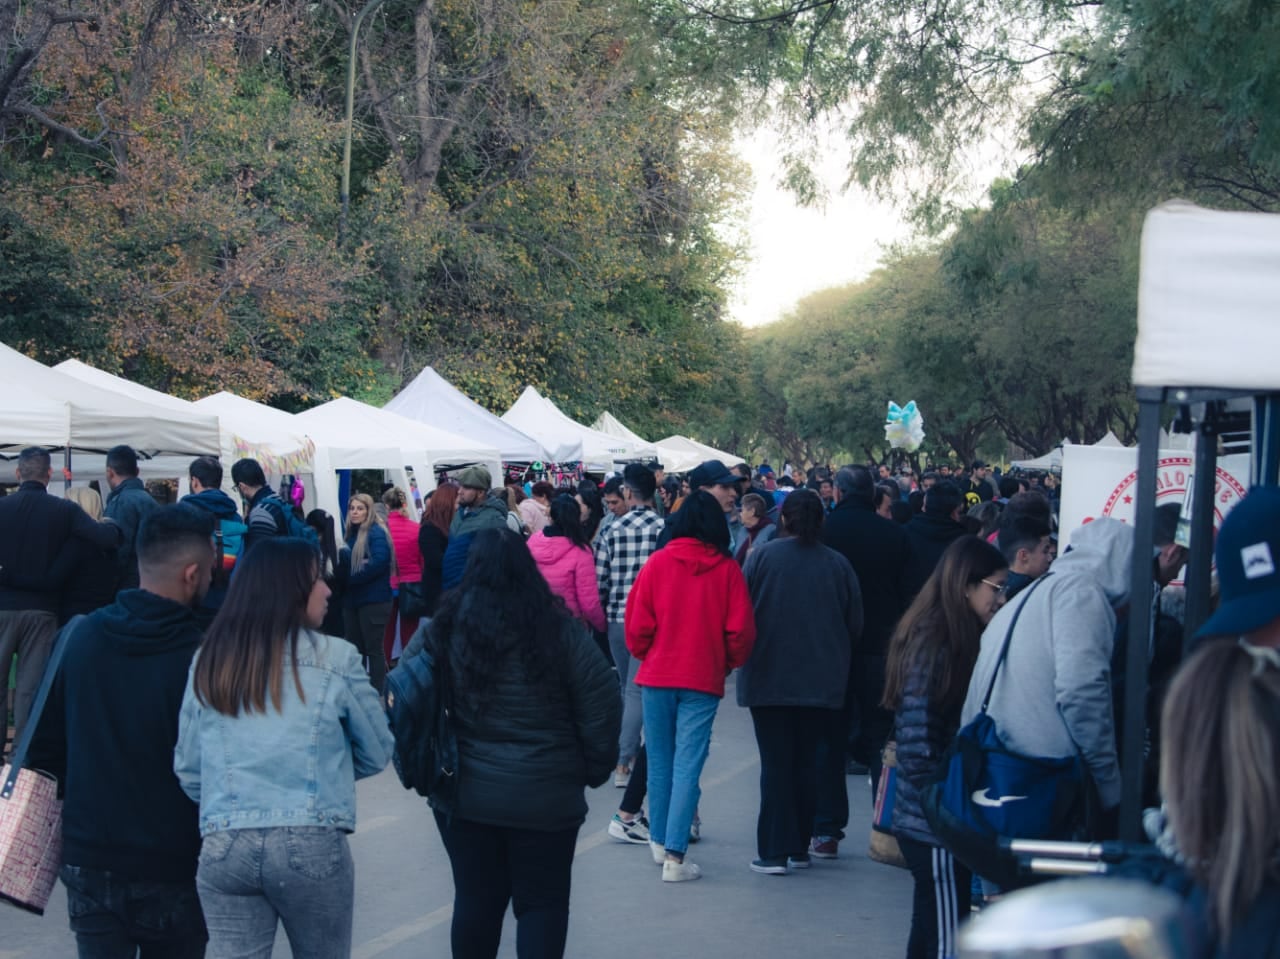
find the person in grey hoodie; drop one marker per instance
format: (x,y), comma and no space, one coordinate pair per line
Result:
(1061,654)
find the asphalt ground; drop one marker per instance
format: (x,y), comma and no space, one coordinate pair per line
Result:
(620,909)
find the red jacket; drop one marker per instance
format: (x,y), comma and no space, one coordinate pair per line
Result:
(689,618)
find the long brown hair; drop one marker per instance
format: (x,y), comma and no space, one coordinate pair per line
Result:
(241,661)
(440,508)
(939,631)
(1220,772)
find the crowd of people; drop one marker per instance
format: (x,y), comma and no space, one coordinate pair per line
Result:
(589,633)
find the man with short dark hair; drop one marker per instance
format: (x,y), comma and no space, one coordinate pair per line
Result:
(614,503)
(980,483)
(266,510)
(130,836)
(126,506)
(38,556)
(229,531)
(1025,541)
(620,553)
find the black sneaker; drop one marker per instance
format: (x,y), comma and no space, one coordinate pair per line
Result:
(770,867)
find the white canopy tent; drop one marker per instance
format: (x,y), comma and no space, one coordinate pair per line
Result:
(606,422)
(1208,290)
(40,406)
(241,432)
(433,400)
(679,454)
(344,429)
(568,440)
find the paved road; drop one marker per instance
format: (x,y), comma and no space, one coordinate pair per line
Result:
(850,907)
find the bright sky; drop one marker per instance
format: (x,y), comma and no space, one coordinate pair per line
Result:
(796,251)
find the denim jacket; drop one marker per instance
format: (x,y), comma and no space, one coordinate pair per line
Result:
(295,767)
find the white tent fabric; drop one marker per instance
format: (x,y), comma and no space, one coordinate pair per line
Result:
(1208,283)
(1051,460)
(43,407)
(241,433)
(679,454)
(324,485)
(568,440)
(1110,440)
(355,435)
(433,400)
(606,422)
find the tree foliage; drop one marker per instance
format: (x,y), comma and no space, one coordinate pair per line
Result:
(1016,330)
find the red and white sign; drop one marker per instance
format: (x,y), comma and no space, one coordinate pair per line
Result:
(1104,482)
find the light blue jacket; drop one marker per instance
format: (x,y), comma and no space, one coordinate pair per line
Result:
(296,767)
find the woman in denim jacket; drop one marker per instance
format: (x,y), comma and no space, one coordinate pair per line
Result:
(277,724)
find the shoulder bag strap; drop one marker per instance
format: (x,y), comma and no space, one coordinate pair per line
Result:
(19,757)
(1008,636)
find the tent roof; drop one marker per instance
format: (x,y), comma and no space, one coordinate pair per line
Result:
(45,407)
(606,422)
(1209,281)
(244,432)
(433,400)
(345,422)
(679,454)
(567,439)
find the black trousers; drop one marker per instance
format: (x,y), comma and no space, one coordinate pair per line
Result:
(788,738)
(940,901)
(494,865)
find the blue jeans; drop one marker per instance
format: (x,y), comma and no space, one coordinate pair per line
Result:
(677,734)
(118,918)
(302,876)
(632,708)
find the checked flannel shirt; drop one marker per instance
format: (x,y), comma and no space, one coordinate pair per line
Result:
(620,552)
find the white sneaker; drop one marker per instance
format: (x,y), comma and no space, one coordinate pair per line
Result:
(673,871)
(659,852)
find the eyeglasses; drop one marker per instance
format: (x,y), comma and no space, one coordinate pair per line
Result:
(1000,588)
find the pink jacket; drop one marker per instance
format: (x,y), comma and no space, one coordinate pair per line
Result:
(404,540)
(570,571)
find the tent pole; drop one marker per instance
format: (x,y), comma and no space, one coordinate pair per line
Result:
(1135,708)
(66,469)
(1200,554)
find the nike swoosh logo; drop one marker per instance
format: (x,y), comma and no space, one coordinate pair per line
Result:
(981,798)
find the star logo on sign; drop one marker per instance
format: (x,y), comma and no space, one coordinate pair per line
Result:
(1128,499)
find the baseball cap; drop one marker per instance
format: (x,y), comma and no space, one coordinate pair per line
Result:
(474,477)
(1247,553)
(711,473)
(979,465)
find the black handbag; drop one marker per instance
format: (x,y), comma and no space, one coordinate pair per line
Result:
(412,600)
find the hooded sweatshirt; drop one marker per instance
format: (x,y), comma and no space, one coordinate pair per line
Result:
(108,733)
(1053,694)
(570,571)
(689,618)
(232,530)
(491,513)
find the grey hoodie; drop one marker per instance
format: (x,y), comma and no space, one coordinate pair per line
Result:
(1053,694)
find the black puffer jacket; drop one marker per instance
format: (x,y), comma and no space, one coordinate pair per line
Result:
(525,756)
(923,733)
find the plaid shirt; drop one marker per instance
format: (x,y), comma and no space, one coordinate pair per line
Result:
(620,552)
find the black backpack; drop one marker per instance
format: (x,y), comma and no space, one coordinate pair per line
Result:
(419,708)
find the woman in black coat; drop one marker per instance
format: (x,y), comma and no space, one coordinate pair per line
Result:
(931,658)
(536,713)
